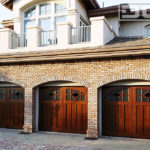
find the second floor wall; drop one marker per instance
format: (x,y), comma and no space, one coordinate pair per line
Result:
(47,14)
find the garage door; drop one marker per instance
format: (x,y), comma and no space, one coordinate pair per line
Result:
(11,107)
(63,109)
(126,111)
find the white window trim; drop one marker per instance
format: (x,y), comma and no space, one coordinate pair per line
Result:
(52,15)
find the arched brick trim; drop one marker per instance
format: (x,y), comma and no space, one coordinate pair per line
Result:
(14,81)
(61,78)
(120,77)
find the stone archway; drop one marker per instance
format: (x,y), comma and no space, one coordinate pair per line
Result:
(77,103)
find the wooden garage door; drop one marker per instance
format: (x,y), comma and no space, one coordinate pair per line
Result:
(11,107)
(63,109)
(126,111)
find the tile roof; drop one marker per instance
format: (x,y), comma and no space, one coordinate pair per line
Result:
(121,42)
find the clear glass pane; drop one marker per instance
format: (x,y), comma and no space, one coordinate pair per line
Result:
(125,91)
(125,98)
(138,98)
(68,97)
(45,24)
(60,9)
(148,32)
(144,99)
(83,98)
(45,9)
(60,19)
(138,91)
(28,23)
(30,13)
(68,92)
(144,91)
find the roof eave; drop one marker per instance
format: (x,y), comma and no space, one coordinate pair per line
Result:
(7,3)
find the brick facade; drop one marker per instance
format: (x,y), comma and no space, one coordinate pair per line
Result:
(92,73)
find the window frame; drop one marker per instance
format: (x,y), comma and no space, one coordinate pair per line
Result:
(52,15)
(147,27)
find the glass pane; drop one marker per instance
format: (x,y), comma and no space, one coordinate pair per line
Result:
(28,23)
(68,92)
(144,91)
(30,13)
(60,19)
(83,98)
(138,91)
(45,9)
(125,98)
(60,9)
(144,99)
(148,32)
(68,97)
(45,24)
(73,98)
(138,98)
(125,91)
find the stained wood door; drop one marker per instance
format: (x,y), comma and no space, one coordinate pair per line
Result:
(123,112)
(63,109)
(11,107)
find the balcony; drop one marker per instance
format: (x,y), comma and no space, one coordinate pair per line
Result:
(65,37)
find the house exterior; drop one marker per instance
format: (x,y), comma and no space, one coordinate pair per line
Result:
(71,66)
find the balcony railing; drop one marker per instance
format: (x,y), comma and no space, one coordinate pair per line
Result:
(66,37)
(80,34)
(18,40)
(48,38)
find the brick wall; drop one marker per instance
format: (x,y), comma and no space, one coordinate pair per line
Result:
(90,73)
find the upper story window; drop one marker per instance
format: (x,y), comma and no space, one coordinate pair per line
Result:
(148,31)
(45,9)
(60,9)
(30,13)
(45,15)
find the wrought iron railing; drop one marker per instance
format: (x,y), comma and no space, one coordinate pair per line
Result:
(80,34)
(48,38)
(18,41)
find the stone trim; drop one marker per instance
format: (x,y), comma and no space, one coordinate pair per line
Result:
(61,78)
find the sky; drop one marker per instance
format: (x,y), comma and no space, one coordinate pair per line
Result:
(6,14)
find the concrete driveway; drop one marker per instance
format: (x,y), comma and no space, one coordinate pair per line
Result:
(13,140)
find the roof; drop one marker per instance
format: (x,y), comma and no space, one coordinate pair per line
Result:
(118,47)
(104,11)
(90,4)
(121,42)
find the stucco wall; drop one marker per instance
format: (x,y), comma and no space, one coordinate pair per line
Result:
(114,22)
(90,73)
(19,7)
(133,28)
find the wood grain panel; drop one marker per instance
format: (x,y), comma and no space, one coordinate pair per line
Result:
(68,114)
(12,107)
(126,118)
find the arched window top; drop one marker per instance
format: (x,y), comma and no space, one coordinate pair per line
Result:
(147,30)
(30,12)
(48,8)
(59,8)
(45,9)
(46,15)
